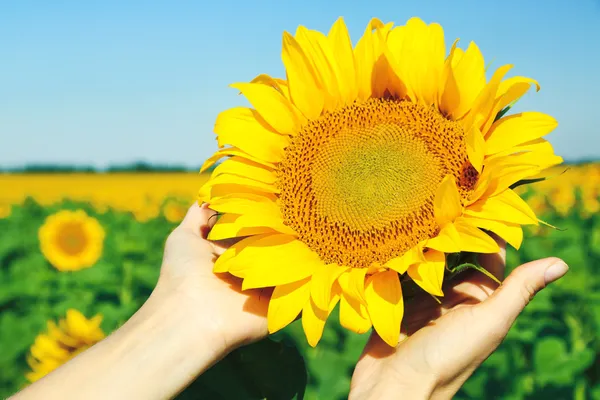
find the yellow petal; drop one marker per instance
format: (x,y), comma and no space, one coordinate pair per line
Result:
(430,274)
(447,240)
(305,89)
(507,206)
(272,106)
(223,261)
(245,129)
(57,334)
(323,281)
(484,102)
(507,170)
(473,239)
(45,347)
(244,203)
(352,283)
(344,54)
(516,129)
(263,218)
(353,315)
(385,305)
(507,96)
(419,55)
(412,256)
(313,319)
(273,260)
(231,151)
(540,146)
(243,167)
(512,233)
(282,87)
(367,51)
(465,81)
(235,180)
(475,148)
(318,50)
(506,84)
(447,206)
(286,303)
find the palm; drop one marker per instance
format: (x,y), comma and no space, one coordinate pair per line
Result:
(188,271)
(431,334)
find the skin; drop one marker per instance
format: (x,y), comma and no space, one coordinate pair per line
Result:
(194,318)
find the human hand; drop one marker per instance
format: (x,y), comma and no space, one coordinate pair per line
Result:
(442,344)
(216,301)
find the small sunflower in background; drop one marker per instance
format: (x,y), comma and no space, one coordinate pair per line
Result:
(368,163)
(174,210)
(61,342)
(71,240)
(5,210)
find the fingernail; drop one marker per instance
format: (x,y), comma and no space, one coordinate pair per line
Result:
(555,271)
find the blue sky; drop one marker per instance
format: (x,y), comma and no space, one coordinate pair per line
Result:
(103,82)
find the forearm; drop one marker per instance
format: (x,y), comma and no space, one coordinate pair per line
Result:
(153,356)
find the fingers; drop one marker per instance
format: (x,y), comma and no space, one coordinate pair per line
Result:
(198,219)
(518,289)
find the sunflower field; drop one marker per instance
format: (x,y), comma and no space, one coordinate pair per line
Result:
(79,255)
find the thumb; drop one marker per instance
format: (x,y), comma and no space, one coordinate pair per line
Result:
(522,284)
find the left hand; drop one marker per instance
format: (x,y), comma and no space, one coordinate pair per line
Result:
(234,318)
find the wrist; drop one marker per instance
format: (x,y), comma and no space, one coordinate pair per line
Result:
(184,321)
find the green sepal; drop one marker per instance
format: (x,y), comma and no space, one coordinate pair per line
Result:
(460,262)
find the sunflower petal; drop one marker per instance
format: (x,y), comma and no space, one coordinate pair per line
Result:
(512,233)
(418,53)
(232,226)
(223,261)
(322,284)
(274,260)
(231,151)
(485,100)
(447,240)
(305,88)
(286,303)
(236,180)
(313,318)
(353,315)
(366,54)
(465,81)
(241,166)
(385,305)
(506,206)
(475,148)
(507,97)
(344,54)
(474,239)
(430,274)
(276,110)
(402,263)
(317,48)
(516,129)
(447,206)
(353,284)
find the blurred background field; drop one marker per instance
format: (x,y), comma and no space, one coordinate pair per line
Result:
(552,352)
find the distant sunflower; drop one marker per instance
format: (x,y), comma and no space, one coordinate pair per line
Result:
(368,163)
(174,210)
(62,342)
(71,240)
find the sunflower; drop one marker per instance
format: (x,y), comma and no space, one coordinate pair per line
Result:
(62,342)
(71,240)
(174,210)
(368,163)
